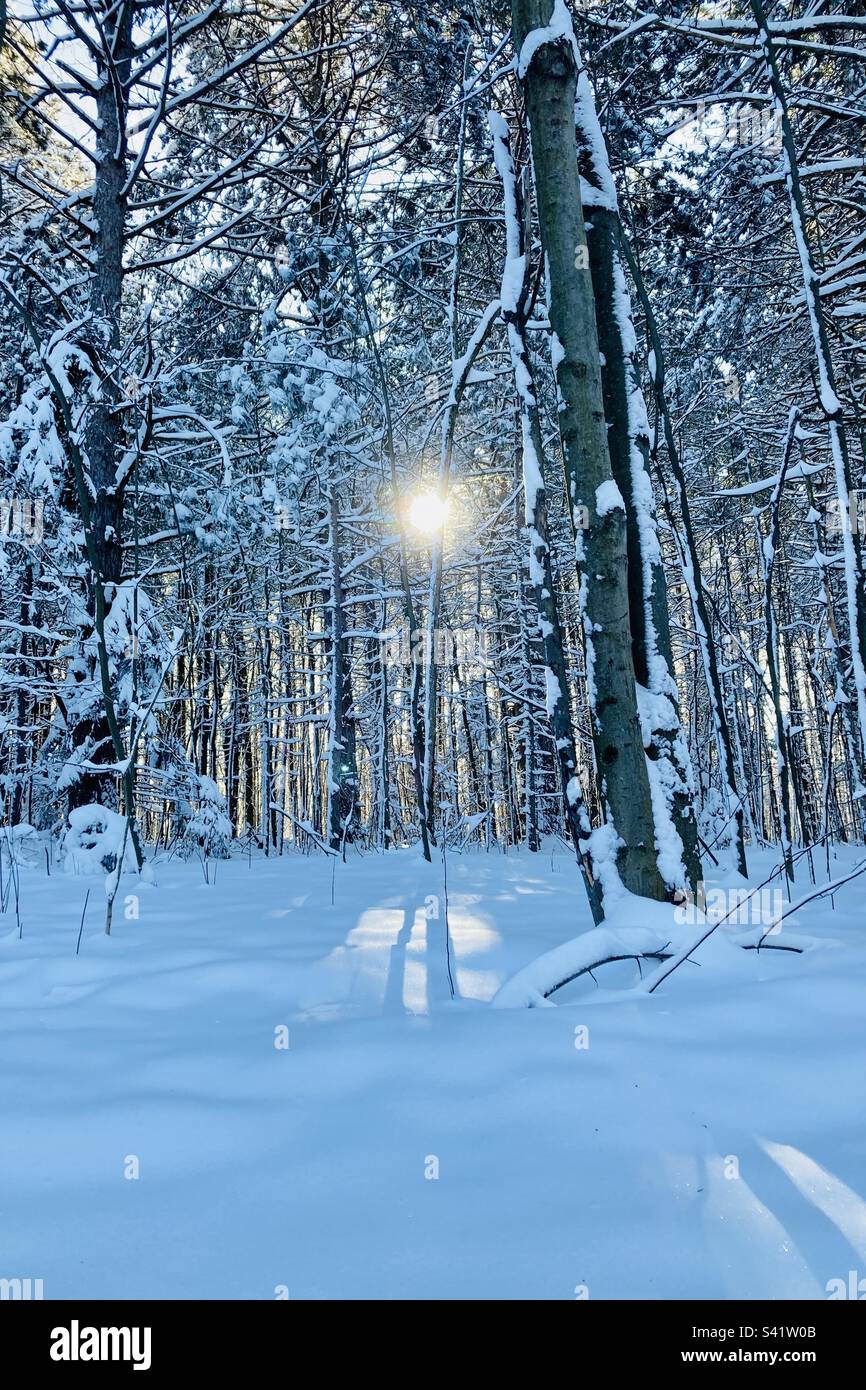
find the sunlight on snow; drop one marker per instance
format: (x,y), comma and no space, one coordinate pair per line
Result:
(734,1218)
(376,926)
(839,1203)
(415,952)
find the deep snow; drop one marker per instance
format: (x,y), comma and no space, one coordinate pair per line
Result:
(608,1168)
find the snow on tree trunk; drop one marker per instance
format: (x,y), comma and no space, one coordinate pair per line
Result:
(852,551)
(548,64)
(514,300)
(342,765)
(628,438)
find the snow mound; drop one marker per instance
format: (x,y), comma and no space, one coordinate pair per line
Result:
(20,844)
(95,840)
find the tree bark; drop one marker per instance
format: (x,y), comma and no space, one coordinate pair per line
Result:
(691,567)
(831,405)
(342,767)
(91,734)
(547,67)
(514,308)
(628,443)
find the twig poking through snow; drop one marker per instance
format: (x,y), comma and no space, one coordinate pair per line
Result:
(81,927)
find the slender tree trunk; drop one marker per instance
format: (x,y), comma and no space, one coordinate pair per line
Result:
(23,751)
(855,576)
(783,743)
(342,764)
(690,564)
(416,716)
(515,282)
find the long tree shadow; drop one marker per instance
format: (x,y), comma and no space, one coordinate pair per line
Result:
(395,983)
(418,963)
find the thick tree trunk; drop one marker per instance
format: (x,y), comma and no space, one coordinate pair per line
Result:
(95,725)
(91,734)
(628,443)
(548,67)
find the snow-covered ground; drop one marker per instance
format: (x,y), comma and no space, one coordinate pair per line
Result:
(705,1141)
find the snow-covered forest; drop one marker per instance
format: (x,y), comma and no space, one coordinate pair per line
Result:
(433,577)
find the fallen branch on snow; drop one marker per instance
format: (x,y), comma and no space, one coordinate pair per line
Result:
(532,986)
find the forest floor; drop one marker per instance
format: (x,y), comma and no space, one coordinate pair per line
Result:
(708,1142)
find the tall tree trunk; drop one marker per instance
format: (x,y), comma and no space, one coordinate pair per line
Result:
(547,66)
(514,308)
(342,766)
(23,749)
(91,732)
(690,564)
(628,442)
(416,715)
(768,547)
(855,576)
